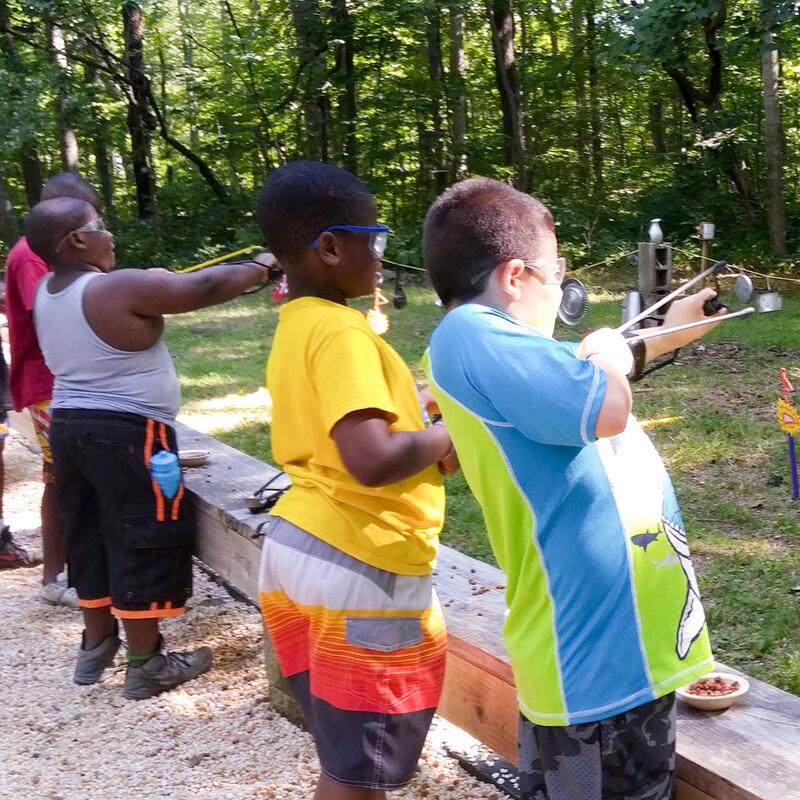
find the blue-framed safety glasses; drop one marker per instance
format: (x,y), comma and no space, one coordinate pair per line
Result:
(378,235)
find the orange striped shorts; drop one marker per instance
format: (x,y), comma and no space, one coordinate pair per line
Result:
(363,651)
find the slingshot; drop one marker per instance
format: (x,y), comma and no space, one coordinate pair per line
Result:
(716,267)
(743,289)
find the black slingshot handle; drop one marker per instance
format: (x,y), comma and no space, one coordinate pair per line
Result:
(712,305)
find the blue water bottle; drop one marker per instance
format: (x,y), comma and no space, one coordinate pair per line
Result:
(166,471)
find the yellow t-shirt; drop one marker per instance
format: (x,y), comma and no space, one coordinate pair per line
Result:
(326,363)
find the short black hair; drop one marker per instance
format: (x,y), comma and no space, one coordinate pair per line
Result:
(303,197)
(474,226)
(49,221)
(70,184)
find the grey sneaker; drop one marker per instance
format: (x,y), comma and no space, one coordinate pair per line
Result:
(91,663)
(59,594)
(163,671)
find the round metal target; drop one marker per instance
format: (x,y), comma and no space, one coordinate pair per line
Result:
(743,288)
(574,302)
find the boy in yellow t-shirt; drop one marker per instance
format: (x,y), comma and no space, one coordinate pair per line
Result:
(345,582)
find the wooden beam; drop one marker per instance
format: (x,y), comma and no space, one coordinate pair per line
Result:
(481,703)
(687,792)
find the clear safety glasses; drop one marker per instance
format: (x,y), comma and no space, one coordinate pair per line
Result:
(90,227)
(378,235)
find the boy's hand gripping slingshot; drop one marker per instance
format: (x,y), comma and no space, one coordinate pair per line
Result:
(765,303)
(262,257)
(716,267)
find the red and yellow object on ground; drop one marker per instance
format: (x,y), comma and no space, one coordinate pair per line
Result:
(789,420)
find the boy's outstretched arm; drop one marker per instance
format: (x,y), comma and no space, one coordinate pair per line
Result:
(377,456)
(687,309)
(153,293)
(610,351)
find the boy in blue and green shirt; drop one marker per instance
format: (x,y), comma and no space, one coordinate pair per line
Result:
(604,615)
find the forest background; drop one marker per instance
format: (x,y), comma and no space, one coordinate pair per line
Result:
(612,113)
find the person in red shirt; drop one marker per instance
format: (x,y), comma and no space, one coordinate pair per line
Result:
(31,383)
(11,554)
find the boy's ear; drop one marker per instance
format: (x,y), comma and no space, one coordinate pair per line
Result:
(510,275)
(328,247)
(76,240)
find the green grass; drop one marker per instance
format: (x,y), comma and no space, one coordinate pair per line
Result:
(722,453)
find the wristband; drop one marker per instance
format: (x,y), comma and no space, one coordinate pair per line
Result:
(639,351)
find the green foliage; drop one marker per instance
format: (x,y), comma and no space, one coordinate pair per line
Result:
(232,86)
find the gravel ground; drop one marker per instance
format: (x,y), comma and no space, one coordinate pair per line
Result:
(214,739)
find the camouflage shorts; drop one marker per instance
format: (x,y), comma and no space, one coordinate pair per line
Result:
(627,757)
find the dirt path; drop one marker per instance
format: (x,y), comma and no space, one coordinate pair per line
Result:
(215,739)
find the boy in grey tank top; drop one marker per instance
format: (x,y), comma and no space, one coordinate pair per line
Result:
(128,534)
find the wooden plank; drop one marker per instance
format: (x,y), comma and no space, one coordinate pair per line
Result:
(227,552)
(482,704)
(750,752)
(472,594)
(754,747)
(686,791)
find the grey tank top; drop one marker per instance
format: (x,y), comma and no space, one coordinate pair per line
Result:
(90,374)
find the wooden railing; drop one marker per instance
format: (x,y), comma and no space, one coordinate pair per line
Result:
(749,752)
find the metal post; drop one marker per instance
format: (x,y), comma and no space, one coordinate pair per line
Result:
(655,277)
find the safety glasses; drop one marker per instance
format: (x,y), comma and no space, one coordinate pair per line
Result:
(378,235)
(551,271)
(98,226)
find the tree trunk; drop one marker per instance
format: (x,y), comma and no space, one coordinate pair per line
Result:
(227,45)
(140,119)
(263,133)
(594,98)
(550,18)
(101,136)
(29,156)
(728,157)
(773,134)
(9,221)
(67,140)
(102,166)
(345,68)
(581,113)
(31,171)
(187,45)
(163,101)
(311,47)
(656,117)
(524,53)
(457,91)
(434,164)
(501,19)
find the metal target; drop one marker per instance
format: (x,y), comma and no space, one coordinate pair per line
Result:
(743,288)
(574,302)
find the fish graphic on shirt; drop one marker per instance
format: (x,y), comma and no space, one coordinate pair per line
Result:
(644,539)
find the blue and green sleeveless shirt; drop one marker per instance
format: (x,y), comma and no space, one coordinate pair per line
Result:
(604,611)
